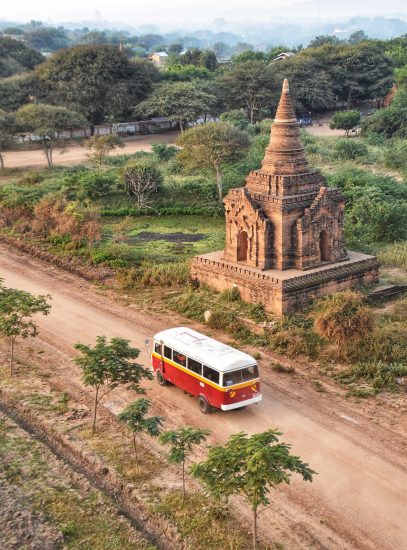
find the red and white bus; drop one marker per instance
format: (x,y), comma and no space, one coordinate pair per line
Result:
(219,375)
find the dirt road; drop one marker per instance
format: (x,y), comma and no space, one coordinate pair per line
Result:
(358,498)
(76,155)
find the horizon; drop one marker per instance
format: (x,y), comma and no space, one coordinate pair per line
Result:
(199,14)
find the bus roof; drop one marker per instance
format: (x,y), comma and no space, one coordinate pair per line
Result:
(204,349)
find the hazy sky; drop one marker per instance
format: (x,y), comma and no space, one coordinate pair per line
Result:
(181,12)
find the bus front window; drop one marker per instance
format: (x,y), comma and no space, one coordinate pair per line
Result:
(242,375)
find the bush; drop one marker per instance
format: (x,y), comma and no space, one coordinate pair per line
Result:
(345,120)
(95,184)
(141,179)
(395,155)
(164,152)
(295,342)
(154,275)
(381,376)
(394,255)
(350,149)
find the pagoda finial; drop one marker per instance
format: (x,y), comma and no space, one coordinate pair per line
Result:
(285,153)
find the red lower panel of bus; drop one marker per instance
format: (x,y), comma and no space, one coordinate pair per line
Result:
(195,386)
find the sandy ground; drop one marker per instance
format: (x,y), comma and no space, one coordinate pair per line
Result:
(77,155)
(358,498)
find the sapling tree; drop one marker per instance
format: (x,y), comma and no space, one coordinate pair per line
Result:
(17,308)
(135,416)
(141,178)
(181,442)
(249,466)
(100,146)
(211,146)
(108,365)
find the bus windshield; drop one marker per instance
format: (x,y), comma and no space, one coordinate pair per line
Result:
(241,375)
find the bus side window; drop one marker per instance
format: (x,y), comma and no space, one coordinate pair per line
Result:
(167,352)
(195,366)
(211,374)
(157,347)
(180,359)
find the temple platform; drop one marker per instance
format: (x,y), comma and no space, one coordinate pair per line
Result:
(285,291)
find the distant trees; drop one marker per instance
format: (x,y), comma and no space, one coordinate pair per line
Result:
(17,90)
(211,146)
(390,122)
(249,466)
(181,102)
(248,85)
(108,365)
(44,121)
(141,178)
(97,81)
(16,57)
(345,120)
(17,308)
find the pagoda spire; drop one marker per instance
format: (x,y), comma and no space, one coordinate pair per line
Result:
(285,153)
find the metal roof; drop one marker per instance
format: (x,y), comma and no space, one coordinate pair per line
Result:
(206,350)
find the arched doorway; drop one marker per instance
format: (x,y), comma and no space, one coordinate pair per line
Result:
(242,243)
(324,249)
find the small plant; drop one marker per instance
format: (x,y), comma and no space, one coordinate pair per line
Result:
(277,367)
(362,393)
(318,386)
(17,308)
(62,404)
(181,443)
(134,416)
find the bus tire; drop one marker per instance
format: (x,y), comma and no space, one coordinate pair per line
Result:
(160,378)
(203,405)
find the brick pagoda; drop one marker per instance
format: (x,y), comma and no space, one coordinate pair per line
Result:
(284,230)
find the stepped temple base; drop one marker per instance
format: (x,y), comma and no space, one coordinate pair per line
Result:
(286,291)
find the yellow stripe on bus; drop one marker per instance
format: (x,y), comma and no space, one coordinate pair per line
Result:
(201,378)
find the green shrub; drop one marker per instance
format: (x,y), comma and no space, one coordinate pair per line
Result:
(295,342)
(381,376)
(163,151)
(95,184)
(230,295)
(154,275)
(350,149)
(362,393)
(395,154)
(31,178)
(394,254)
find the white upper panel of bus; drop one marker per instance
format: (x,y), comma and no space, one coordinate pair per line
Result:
(206,350)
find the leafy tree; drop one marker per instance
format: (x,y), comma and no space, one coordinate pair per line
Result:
(108,365)
(16,310)
(175,48)
(345,120)
(211,146)
(141,178)
(250,55)
(95,184)
(97,81)
(16,57)
(350,149)
(134,415)
(186,73)
(357,37)
(390,122)
(100,147)
(16,91)
(250,466)
(323,40)
(7,133)
(236,117)
(47,39)
(199,58)
(182,102)
(247,85)
(343,318)
(45,121)
(181,442)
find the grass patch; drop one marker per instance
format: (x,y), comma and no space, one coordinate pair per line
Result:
(394,255)
(205,523)
(380,376)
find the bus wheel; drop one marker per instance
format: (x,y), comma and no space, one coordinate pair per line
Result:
(203,404)
(160,378)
